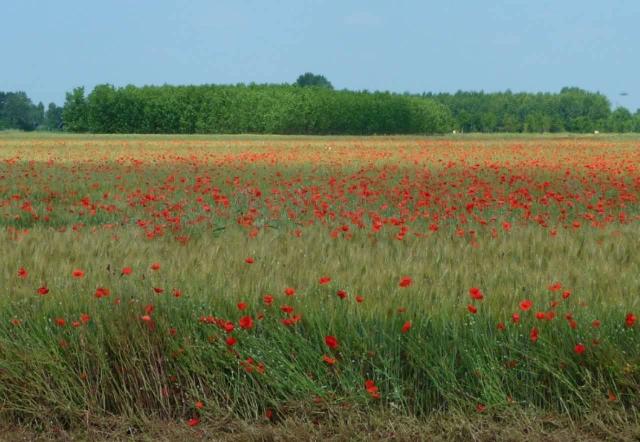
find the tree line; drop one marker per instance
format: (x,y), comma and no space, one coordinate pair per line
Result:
(311,106)
(17,111)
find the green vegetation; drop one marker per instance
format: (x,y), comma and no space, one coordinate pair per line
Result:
(163,279)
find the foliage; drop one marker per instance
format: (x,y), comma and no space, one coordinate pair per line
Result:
(311,80)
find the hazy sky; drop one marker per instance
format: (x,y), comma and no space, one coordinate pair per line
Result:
(49,47)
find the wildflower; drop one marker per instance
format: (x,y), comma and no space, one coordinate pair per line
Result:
(405,281)
(406,327)
(331,342)
(476,294)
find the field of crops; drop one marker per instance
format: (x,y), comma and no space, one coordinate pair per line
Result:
(259,278)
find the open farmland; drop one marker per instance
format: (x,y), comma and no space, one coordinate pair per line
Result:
(259,278)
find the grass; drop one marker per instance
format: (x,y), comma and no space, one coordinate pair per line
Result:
(510,216)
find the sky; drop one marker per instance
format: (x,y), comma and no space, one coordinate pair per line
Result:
(48,47)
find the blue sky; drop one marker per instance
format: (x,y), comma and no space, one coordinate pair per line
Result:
(402,45)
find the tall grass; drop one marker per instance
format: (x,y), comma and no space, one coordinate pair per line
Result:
(143,355)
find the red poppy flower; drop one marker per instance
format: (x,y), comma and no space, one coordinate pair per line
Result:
(480,408)
(515,318)
(405,281)
(579,349)
(84,318)
(630,319)
(555,287)
(324,280)
(596,323)
(77,273)
(126,271)
(289,291)
(501,326)
(267,299)
(566,294)
(540,315)
(341,294)
(472,309)
(102,292)
(194,421)
(60,322)
(406,327)
(476,294)
(328,360)
(526,305)
(242,306)
(372,389)
(176,293)
(249,260)
(533,335)
(199,405)
(158,290)
(43,290)
(331,342)
(286,309)
(246,322)
(231,341)
(359,299)
(22,273)
(155,266)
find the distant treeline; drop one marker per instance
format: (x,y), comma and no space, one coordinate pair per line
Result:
(572,110)
(279,109)
(18,112)
(296,109)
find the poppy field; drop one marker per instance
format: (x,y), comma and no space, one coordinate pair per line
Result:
(188,278)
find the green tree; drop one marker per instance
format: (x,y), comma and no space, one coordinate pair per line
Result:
(308,79)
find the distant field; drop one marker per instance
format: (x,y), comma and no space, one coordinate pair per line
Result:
(182,279)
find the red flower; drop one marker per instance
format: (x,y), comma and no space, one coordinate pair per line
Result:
(406,327)
(533,335)
(328,360)
(43,290)
(242,306)
(84,318)
(158,290)
(371,388)
(630,319)
(555,286)
(193,421)
(126,271)
(286,309)
(540,315)
(231,341)
(359,299)
(526,305)
(102,292)
(472,309)
(324,280)
(177,293)
(501,326)
(341,294)
(515,318)
(289,291)
(331,342)
(566,294)
(249,260)
(579,349)
(476,294)
(199,405)
(267,299)
(480,408)
(246,322)
(405,281)
(60,322)
(596,323)
(155,266)
(77,273)
(22,273)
